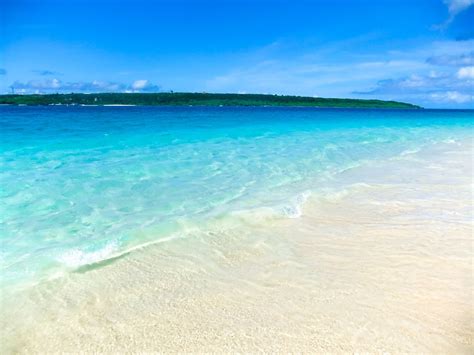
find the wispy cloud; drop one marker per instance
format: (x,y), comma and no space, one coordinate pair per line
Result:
(46,72)
(420,84)
(315,72)
(303,76)
(449,97)
(447,78)
(56,85)
(454,8)
(452,60)
(422,74)
(434,88)
(457,6)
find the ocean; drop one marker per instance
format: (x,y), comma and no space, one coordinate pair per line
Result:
(284,229)
(84,184)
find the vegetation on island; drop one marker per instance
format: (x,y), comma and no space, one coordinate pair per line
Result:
(196,99)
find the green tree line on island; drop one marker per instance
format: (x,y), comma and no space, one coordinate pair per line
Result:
(196,99)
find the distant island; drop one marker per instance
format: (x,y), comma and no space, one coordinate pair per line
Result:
(196,99)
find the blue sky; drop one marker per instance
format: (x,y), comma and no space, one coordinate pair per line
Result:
(419,51)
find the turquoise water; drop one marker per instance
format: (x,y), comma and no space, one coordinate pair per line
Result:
(83,184)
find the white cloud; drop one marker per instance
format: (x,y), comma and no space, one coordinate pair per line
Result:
(139,84)
(56,85)
(434,88)
(446,80)
(418,83)
(451,96)
(143,85)
(456,6)
(466,73)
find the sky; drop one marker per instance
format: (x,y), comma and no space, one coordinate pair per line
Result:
(417,51)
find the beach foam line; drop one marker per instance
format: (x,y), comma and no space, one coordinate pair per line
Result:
(295,208)
(77,258)
(80,259)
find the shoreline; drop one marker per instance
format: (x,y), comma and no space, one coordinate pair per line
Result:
(336,279)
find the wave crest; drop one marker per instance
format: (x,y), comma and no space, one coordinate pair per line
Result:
(77,257)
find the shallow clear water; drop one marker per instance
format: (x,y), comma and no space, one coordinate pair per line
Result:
(84,184)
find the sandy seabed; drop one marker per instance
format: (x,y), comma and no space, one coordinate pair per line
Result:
(385,265)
